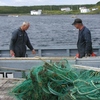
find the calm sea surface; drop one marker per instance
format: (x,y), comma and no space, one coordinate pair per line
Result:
(49,30)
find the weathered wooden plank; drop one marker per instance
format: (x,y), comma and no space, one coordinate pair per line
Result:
(12,69)
(5,87)
(87,68)
(38,58)
(2,82)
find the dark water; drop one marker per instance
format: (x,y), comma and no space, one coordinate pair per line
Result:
(49,30)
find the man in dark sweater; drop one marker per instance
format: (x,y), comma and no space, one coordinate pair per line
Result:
(19,41)
(84,43)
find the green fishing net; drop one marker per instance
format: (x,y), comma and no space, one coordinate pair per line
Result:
(59,81)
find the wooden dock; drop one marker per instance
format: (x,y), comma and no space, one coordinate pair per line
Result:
(5,87)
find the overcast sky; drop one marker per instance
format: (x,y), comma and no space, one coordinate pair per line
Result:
(45,2)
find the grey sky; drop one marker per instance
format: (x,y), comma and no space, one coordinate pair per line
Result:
(45,2)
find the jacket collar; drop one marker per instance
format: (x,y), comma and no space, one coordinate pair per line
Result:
(20,29)
(82,29)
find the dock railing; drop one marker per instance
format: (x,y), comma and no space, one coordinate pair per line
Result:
(51,51)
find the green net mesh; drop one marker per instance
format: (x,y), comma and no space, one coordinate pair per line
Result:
(59,81)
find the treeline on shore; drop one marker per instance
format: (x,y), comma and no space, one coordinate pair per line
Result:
(49,9)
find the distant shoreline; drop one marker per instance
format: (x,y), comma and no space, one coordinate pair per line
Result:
(72,15)
(48,14)
(48,9)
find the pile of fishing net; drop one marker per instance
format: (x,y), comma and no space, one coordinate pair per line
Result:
(59,81)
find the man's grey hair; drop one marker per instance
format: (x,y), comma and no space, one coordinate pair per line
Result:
(25,24)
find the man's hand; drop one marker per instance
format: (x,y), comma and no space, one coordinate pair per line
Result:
(12,53)
(33,52)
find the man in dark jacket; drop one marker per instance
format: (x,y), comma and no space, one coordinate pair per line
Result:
(19,41)
(84,43)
